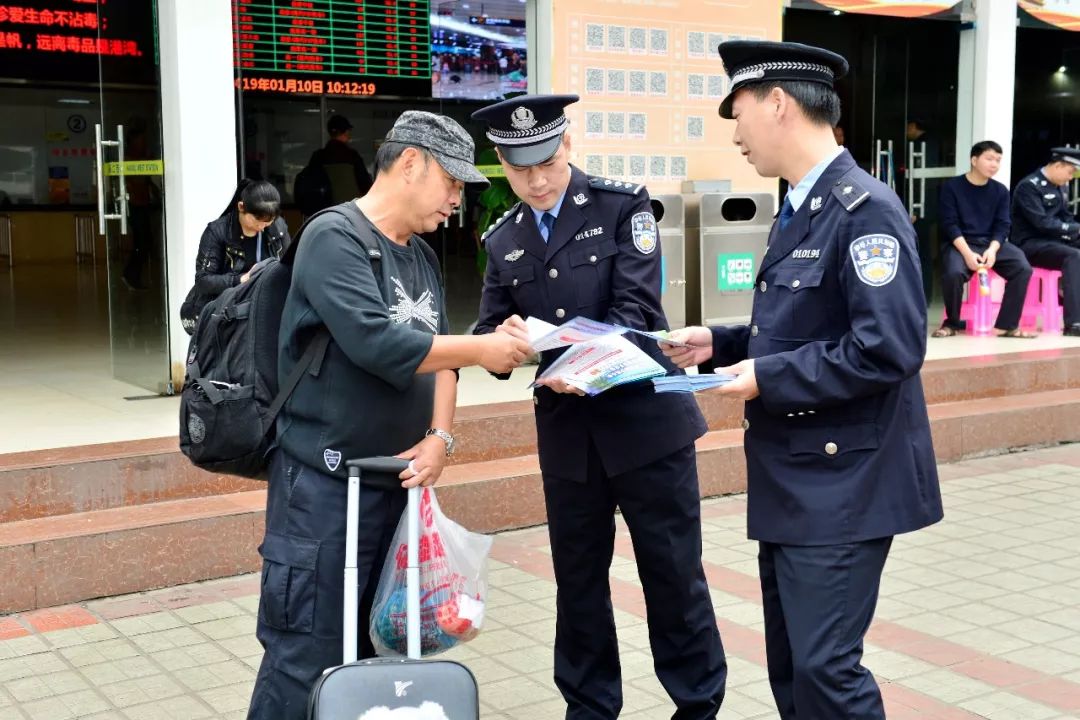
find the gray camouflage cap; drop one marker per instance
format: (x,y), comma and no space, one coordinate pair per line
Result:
(444,138)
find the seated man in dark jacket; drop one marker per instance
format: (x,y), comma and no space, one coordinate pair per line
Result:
(248,231)
(386,387)
(975,222)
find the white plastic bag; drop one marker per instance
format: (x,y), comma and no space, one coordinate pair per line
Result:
(453,584)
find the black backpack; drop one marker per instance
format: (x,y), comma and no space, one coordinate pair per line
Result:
(230,399)
(311,189)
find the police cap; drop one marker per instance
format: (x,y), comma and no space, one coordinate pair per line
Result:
(1066,154)
(756,61)
(527,129)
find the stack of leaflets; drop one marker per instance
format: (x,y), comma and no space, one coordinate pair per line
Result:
(601,357)
(690,383)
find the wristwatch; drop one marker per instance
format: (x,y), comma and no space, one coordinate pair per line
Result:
(445,437)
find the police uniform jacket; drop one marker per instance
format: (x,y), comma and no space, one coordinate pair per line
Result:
(591,266)
(1041,212)
(838,443)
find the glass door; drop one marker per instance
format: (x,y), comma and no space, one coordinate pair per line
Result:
(130,193)
(913,122)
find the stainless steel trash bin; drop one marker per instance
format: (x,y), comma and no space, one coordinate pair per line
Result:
(678,264)
(734,233)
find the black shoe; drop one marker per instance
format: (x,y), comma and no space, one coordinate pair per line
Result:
(1073,330)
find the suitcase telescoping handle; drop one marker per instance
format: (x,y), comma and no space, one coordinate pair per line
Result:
(392,466)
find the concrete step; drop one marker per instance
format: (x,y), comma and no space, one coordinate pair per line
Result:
(82,479)
(98,477)
(68,558)
(65,558)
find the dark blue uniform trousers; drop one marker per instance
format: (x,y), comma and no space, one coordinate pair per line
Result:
(1010,265)
(1057,255)
(301,601)
(818,603)
(661,506)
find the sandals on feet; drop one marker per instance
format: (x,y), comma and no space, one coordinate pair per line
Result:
(944,331)
(1018,333)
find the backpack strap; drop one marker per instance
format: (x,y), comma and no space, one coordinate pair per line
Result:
(310,360)
(349,210)
(429,255)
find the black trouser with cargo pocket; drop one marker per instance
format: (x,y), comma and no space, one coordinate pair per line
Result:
(302,598)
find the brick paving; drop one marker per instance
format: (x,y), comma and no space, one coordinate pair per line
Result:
(979,618)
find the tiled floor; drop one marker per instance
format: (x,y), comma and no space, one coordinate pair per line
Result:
(979,618)
(56,370)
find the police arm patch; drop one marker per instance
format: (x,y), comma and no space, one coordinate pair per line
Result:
(643,228)
(876,258)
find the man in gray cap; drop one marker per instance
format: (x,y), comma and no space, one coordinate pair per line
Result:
(385,386)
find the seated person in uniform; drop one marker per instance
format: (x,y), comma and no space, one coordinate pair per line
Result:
(1047,231)
(974,212)
(248,231)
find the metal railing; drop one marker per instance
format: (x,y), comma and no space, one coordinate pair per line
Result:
(917,175)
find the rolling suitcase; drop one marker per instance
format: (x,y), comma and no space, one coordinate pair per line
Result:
(390,688)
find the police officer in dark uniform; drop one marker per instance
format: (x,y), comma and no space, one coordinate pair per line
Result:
(837,438)
(586,246)
(1045,229)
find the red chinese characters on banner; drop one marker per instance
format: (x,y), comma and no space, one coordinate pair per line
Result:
(87,45)
(61,18)
(82,44)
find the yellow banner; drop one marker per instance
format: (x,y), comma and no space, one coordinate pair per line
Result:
(136,167)
(491,170)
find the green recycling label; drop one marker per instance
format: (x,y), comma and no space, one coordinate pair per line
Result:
(735,271)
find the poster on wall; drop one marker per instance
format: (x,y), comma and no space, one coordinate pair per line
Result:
(1061,14)
(651,80)
(942,9)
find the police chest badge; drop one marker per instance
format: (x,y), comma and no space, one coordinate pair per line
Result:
(643,228)
(875,258)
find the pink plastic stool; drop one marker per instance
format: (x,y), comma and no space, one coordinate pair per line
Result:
(980,311)
(1041,302)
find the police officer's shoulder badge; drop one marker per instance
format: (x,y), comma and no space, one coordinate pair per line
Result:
(495,225)
(602,183)
(875,258)
(643,228)
(850,193)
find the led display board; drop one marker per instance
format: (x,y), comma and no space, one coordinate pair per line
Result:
(334,47)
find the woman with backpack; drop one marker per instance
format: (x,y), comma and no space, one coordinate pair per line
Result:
(247,232)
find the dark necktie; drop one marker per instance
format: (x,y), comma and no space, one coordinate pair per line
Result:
(785,213)
(548,221)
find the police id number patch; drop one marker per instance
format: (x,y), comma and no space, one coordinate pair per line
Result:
(876,258)
(643,228)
